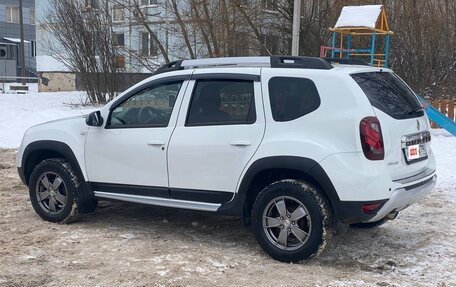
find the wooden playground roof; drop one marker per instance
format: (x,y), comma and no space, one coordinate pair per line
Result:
(359,20)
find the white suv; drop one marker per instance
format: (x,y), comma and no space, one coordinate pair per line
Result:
(298,147)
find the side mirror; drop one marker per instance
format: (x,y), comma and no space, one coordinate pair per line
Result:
(94,119)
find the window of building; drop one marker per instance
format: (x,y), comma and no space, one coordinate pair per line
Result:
(94,4)
(119,39)
(12,14)
(269,5)
(292,98)
(222,102)
(270,43)
(151,107)
(118,13)
(32,16)
(148,45)
(149,2)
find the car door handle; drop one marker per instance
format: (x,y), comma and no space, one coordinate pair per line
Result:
(156,143)
(240,143)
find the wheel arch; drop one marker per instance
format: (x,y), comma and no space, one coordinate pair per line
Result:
(38,151)
(264,171)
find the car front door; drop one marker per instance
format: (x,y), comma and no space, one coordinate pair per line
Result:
(128,155)
(220,126)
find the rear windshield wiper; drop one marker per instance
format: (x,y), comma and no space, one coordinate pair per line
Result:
(415,111)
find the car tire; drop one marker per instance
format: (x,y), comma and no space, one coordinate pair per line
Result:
(292,221)
(369,224)
(52,188)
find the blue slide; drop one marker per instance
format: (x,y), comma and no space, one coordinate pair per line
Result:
(439,118)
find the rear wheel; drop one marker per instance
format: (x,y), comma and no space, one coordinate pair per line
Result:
(52,188)
(291,221)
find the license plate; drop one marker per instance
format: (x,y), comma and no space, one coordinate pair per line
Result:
(415,152)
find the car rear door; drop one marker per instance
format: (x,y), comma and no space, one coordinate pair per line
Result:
(220,126)
(405,127)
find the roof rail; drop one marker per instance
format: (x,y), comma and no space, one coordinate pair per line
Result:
(171,66)
(344,61)
(272,61)
(300,62)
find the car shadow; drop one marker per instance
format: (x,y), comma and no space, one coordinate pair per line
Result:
(375,250)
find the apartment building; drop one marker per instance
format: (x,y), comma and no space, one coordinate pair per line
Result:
(10,65)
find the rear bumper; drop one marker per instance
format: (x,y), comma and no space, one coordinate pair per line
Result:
(413,190)
(405,196)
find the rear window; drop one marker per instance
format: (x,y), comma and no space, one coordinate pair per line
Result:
(292,98)
(388,93)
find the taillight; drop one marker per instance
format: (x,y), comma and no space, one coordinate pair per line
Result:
(371,138)
(372,207)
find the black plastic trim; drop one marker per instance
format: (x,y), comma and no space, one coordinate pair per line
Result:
(300,62)
(226,76)
(171,66)
(201,195)
(20,171)
(344,211)
(84,196)
(53,146)
(208,196)
(131,189)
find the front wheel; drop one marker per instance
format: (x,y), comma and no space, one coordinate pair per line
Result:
(52,189)
(291,221)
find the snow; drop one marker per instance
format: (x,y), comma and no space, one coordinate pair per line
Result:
(417,247)
(46,63)
(15,40)
(33,87)
(359,16)
(19,112)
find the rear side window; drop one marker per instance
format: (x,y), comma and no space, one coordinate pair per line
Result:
(292,98)
(222,102)
(388,93)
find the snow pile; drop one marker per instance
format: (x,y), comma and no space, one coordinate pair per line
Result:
(19,112)
(359,16)
(32,88)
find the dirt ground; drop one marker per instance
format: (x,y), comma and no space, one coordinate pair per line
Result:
(134,245)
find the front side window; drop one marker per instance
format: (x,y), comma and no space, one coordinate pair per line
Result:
(151,107)
(292,98)
(222,102)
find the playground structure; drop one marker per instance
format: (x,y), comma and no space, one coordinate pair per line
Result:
(361,21)
(371,21)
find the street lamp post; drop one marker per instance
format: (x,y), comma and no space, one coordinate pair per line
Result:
(22,50)
(296,25)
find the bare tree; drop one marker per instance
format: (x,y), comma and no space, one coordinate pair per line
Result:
(84,34)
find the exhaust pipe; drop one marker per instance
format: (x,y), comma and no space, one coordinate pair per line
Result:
(391,215)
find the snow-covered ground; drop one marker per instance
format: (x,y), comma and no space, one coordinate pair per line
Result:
(19,112)
(124,245)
